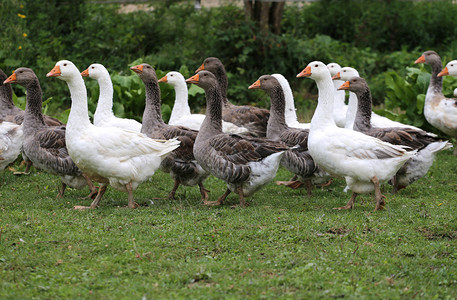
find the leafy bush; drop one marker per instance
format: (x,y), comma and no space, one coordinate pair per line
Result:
(356,33)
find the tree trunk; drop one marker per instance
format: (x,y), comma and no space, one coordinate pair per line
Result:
(266,14)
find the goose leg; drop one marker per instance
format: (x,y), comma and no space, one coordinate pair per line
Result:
(97,199)
(309,187)
(203,191)
(350,203)
(92,188)
(132,204)
(28,165)
(241,195)
(219,201)
(62,190)
(171,196)
(293,184)
(394,185)
(380,203)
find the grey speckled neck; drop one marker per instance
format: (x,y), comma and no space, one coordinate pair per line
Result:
(276,122)
(436,83)
(6,93)
(152,116)
(222,80)
(212,124)
(33,118)
(364,106)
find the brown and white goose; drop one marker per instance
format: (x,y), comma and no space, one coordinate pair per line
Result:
(246,164)
(439,111)
(45,145)
(180,163)
(297,159)
(252,118)
(427,145)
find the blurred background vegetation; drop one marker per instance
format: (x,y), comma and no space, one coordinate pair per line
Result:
(381,39)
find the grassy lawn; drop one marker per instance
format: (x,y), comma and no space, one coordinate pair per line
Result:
(284,244)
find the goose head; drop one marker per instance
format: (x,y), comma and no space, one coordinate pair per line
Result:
(450,69)
(428,57)
(22,76)
(334,68)
(355,84)
(210,64)
(315,70)
(172,78)
(65,70)
(346,73)
(203,79)
(95,71)
(145,72)
(266,83)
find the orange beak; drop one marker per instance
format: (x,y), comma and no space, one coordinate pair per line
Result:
(444,72)
(163,79)
(255,85)
(201,68)
(85,73)
(344,86)
(137,69)
(55,72)
(194,79)
(420,60)
(337,76)
(10,79)
(305,73)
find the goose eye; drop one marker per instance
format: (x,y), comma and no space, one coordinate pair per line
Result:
(93,68)
(171,75)
(64,65)
(316,66)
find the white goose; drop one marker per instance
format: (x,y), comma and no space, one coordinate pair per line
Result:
(450,69)
(104,116)
(439,111)
(339,107)
(290,111)
(377,121)
(108,155)
(181,115)
(364,161)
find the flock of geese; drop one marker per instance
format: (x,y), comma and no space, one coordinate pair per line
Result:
(241,145)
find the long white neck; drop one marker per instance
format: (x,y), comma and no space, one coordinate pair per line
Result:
(79,113)
(323,115)
(105,100)
(351,112)
(181,107)
(340,96)
(290,113)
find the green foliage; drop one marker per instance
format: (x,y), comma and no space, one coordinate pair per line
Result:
(373,36)
(381,25)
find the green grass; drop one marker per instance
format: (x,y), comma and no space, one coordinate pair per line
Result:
(283,245)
